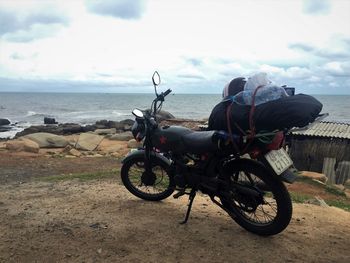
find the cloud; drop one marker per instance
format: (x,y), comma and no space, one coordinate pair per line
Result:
(342,52)
(27,26)
(54,85)
(194,61)
(316,7)
(302,47)
(8,22)
(337,69)
(36,31)
(123,9)
(190,76)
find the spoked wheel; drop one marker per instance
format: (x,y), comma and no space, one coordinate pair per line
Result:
(256,200)
(153,186)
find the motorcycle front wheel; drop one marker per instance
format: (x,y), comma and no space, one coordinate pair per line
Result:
(255,199)
(155,186)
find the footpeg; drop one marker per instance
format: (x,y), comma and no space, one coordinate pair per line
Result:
(181,192)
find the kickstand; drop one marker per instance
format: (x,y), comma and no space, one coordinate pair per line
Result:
(191,198)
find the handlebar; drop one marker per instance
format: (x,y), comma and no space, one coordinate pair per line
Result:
(162,95)
(160,98)
(167,92)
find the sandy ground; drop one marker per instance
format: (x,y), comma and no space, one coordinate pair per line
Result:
(99,221)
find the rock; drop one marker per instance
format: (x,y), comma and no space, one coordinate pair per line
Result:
(347,193)
(347,184)
(127,128)
(95,155)
(61,129)
(30,146)
(105,131)
(128,122)
(134,144)
(314,175)
(30,130)
(117,154)
(103,123)
(340,187)
(163,115)
(52,129)
(14,145)
(22,145)
(5,128)
(188,123)
(116,125)
(88,141)
(88,128)
(48,120)
(4,122)
(71,128)
(124,136)
(67,149)
(74,152)
(2,145)
(112,148)
(48,140)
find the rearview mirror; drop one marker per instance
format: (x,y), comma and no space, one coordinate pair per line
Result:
(137,113)
(156,78)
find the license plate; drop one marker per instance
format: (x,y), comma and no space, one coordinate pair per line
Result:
(279,160)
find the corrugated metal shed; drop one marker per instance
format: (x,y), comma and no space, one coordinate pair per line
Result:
(327,129)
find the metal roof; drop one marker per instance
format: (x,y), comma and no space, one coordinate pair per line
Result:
(326,129)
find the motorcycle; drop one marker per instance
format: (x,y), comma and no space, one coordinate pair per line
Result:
(249,187)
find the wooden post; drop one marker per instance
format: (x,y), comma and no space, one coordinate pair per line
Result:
(328,169)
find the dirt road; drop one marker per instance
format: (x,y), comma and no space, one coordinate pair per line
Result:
(99,221)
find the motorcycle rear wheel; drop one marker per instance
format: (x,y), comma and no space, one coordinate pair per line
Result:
(266,215)
(160,186)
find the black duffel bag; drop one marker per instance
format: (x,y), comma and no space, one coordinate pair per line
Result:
(283,113)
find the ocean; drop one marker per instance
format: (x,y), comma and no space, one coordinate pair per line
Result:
(26,109)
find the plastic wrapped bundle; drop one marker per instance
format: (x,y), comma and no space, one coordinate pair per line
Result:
(283,113)
(263,95)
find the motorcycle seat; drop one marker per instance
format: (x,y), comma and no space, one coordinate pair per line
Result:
(199,141)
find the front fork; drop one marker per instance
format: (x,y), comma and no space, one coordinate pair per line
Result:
(148,162)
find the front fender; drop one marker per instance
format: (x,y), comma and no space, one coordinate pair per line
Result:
(141,152)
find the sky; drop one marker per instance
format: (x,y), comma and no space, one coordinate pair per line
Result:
(197,46)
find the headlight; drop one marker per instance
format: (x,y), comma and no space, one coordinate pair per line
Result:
(138,131)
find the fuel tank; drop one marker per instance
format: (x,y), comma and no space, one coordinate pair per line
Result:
(168,138)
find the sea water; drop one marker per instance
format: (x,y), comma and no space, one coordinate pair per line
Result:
(27,109)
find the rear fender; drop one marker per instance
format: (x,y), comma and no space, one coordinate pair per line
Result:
(288,176)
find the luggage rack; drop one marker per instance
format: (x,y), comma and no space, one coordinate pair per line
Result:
(262,135)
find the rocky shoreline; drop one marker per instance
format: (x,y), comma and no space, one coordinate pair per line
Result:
(51,126)
(103,138)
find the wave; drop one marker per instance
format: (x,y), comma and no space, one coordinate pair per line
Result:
(35,114)
(117,113)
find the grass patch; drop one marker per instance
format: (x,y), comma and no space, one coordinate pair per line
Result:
(82,176)
(299,198)
(310,181)
(327,187)
(340,204)
(333,190)
(302,198)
